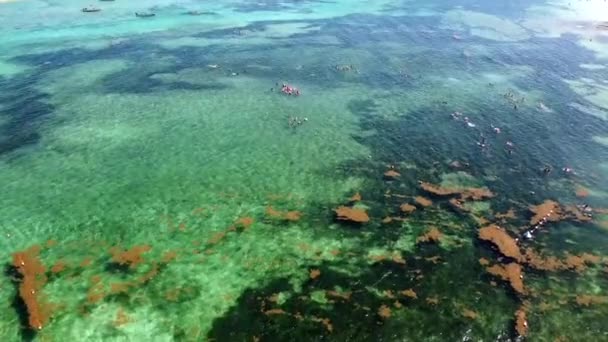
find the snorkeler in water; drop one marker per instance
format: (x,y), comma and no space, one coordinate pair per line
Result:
(482,141)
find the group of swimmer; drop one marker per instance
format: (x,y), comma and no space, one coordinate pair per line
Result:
(295,121)
(510,96)
(288,89)
(509,145)
(566,170)
(347,67)
(458,116)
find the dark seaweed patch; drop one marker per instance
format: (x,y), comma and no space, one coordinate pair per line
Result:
(17,303)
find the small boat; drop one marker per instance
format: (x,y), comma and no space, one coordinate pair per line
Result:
(91,9)
(144,14)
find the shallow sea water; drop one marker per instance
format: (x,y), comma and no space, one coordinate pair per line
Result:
(156,183)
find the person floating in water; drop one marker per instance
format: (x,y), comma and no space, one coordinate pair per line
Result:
(482,141)
(547,169)
(567,170)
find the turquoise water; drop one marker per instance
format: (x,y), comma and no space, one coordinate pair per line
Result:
(170,191)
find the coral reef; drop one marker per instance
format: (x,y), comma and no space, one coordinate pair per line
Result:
(464,194)
(351,214)
(33,273)
(467,313)
(129,257)
(409,293)
(283,215)
(588,300)
(384,312)
(423,201)
(548,210)
(521,321)
(407,208)
(392,174)
(512,273)
(503,241)
(433,235)
(355,198)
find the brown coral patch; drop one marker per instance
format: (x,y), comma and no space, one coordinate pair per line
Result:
(538,262)
(351,214)
(384,311)
(510,214)
(484,261)
(377,257)
(293,215)
(577,263)
(244,222)
(521,321)
(574,213)
(437,190)
(283,215)
(503,241)
(274,312)
(342,295)
(216,237)
(392,174)
(511,273)
(548,210)
(433,235)
(118,288)
(475,194)
(432,300)
(469,314)
(435,259)
(407,208)
(129,257)
(29,265)
(314,273)
(58,267)
(457,204)
(398,259)
(121,318)
(172,295)
(326,323)
(86,262)
(588,300)
(270,211)
(423,201)
(355,198)
(169,256)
